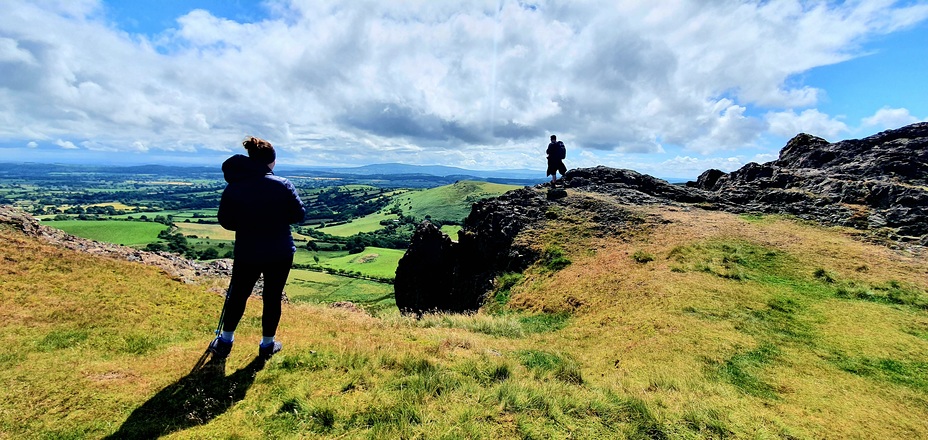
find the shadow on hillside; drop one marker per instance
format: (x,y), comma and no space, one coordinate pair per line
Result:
(193,400)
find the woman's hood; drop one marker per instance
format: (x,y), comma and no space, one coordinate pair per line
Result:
(240,167)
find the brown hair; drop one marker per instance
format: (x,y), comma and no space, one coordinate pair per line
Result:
(260,150)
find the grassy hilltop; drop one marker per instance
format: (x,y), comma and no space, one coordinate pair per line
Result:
(698,324)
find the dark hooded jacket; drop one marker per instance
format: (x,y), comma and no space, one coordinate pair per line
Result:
(259,207)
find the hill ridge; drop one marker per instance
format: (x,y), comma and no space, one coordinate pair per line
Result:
(812,180)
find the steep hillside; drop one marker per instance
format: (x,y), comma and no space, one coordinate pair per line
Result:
(620,307)
(639,322)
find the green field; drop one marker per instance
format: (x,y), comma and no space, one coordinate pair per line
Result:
(206,230)
(368,223)
(305,286)
(373,261)
(449,202)
(179,215)
(127,233)
(451,231)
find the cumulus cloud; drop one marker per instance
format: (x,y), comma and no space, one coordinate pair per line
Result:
(432,82)
(67,145)
(32,144)
(789,123)
(886,118)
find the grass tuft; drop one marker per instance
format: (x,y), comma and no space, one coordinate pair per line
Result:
(823,275)
(61,339)
(542,363)
(544,322)
(554,259)
(642,257)
(910,374)
(743,370)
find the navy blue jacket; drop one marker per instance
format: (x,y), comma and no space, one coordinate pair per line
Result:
(259,207)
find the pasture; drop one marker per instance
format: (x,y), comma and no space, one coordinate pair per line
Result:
(368,223)
(306,286)
(126,233)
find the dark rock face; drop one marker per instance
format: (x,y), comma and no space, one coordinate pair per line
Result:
(437,274)
(630,186)
(880,182)
(425,270)
(876,182)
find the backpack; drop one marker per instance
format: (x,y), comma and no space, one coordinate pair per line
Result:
(561,151)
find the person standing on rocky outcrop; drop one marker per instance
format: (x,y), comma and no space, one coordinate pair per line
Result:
(259,207)
(556,152)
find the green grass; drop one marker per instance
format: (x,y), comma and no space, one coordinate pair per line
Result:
(306,286)
(675,348)
(127,233)
(368,223)
(744,368)
(203,230)
(449,202)
(553,259)
(373,261)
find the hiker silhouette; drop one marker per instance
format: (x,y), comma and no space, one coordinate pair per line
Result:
(195,399)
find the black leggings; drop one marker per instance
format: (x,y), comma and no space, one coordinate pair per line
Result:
(244,277)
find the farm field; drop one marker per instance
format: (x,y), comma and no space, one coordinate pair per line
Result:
(206,230)
(306,286)
(373,261)
(368,223)
(126,233)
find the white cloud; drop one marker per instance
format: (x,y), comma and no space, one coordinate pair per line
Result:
(67,145)
(32,144)
(886,117)
(685,166)
(810,121)
(477,83)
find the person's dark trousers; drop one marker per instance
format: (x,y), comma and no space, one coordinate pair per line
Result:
(244,277)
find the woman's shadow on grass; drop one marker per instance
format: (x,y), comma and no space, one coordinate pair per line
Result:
(193,400)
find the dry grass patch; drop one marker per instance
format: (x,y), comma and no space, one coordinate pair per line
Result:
(707,326)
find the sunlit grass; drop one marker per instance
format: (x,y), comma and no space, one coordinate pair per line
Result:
(112,231)
(734,328)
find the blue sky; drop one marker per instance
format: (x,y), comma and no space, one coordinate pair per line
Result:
(666,89)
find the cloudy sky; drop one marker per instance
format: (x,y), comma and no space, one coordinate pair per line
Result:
(669,88)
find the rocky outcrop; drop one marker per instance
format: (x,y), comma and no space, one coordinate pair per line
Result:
(216,273)
(438,274)
(878,183)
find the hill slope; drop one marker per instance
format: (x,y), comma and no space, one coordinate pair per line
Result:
(682,323)
(449,202)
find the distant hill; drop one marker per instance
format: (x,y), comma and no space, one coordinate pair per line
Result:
(433,170)
(449,202)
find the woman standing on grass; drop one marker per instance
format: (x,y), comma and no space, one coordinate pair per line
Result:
(259,207)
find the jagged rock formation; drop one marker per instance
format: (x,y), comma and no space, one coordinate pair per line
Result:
(438,274)
(879,183)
